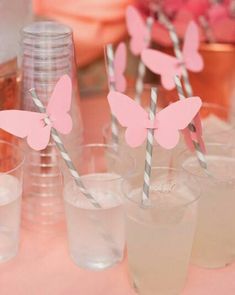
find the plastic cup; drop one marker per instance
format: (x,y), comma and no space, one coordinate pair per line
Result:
(96,235)
(214,244)
(160,235)
(11,174)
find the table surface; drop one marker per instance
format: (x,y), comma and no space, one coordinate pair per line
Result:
(43,265)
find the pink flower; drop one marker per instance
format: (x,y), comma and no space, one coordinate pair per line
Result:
(224,30)
(172,6)
(197,7)
(220,18)
(217,12)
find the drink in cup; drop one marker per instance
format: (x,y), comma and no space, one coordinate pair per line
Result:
(11,172)
(96,235)
(214,244)
(160,234)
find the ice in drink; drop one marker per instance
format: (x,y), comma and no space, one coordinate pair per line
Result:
(214,244)
(96,236)
(10,199)
(160,237)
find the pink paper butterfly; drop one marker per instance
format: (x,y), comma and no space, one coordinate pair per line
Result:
(32,125)
(137,29)
(120,67)
(166,125)
(168,66)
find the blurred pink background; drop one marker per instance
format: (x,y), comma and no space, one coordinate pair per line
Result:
(89,19)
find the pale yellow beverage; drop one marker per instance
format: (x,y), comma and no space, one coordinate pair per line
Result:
(214,244)
(160,236)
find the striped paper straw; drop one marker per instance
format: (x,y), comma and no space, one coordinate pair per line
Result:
(64,153)
(175,40)
(139,86)
(109,54)
(207,29)
(191,127)
(232,8)
(149,148)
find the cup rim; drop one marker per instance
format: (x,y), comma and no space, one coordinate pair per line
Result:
(61,31)
(217,47)
(113,147)
(187,203)
(204,176)
(221,108)
(107,126)
(94,90)
(16,147)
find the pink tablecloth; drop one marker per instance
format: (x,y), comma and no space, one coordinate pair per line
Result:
(43,266)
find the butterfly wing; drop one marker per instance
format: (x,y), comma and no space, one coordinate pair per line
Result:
(188,140)
(188,136)
(136,30)
(192,58)
(39,136)
(19,123)
(130,115)
(59,105)
(162,64)
(173,118)
(120,67)
(26,124)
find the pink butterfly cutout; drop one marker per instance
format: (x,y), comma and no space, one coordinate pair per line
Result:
(137,30)
(168,66)
(166,125)
(32,125)
(120,67)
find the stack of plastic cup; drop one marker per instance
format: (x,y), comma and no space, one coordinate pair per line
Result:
(47,54)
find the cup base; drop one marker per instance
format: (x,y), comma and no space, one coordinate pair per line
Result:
(5,258)
(212,266)
(94,265)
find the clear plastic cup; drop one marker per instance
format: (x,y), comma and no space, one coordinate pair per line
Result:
(96,236)
(214,244)
(11,175)
(160,234)
(47,54)
(217,123)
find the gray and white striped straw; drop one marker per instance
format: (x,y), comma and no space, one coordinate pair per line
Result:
(139,85)
(175,40)
(109,54)
(207,29)
(149,148)
(64,153)
(199,153)
(232,8)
